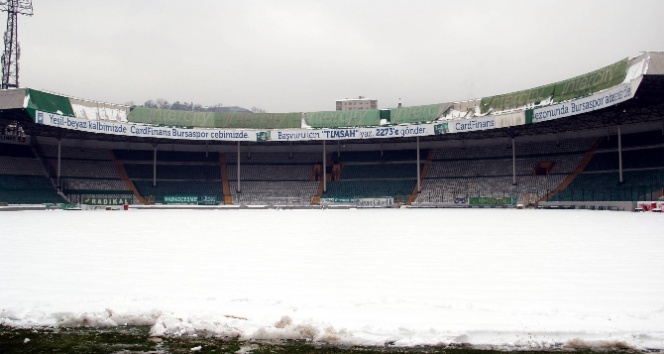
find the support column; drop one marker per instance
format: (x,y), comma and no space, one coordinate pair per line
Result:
(620,158)
(513,161)
(238,189)
(419,189)
(324,169)
(338,148)
(154,166)
(57,180)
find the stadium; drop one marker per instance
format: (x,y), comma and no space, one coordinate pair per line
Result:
(475,219)
(594,141)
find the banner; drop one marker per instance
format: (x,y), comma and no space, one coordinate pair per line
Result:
(612,96)
(180,199)
(591,82)
(375,202)
(516,99)
(336,119)
(202,134)
(354,133)
(142,131)
(492,201)
(215,120)
(106,201)
(578,86)
(489,122)
(418,114)
(208,200)
(597,101)
(361,202)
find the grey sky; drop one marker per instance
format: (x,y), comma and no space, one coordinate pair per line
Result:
(299,56)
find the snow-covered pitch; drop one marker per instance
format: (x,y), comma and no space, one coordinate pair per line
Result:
(506,278)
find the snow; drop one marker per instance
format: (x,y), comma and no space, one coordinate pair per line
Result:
(99,111)
(488,277)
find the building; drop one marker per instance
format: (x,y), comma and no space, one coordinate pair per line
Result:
(356,103)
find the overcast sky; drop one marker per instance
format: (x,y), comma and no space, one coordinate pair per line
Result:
(301,56)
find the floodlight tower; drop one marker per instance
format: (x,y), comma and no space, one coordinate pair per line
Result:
(12,52)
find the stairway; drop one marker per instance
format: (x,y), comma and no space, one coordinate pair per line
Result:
(582,166)
(225,186)
(423,175)
(119,166)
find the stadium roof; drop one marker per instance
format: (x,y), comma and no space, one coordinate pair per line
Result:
(645,74)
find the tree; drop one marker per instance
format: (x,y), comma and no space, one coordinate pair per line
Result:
(191,106)
(162,103)
(177,106)
(216,108)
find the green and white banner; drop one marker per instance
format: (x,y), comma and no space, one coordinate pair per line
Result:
(361,202)
(180,199)
(208,200)
(516,99)
(491,201)
(594,81)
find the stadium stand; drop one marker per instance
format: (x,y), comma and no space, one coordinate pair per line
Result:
(23,179)
(643,171)
(274,192)
(84,173)
(456,175)
(267,178)
(55,147)
(273,178)
(374,174)
(177,173)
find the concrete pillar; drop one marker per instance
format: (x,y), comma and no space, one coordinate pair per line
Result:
(620,158)
(238,168)
(419,188)
(154,166)
(513,161)
(59,162)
